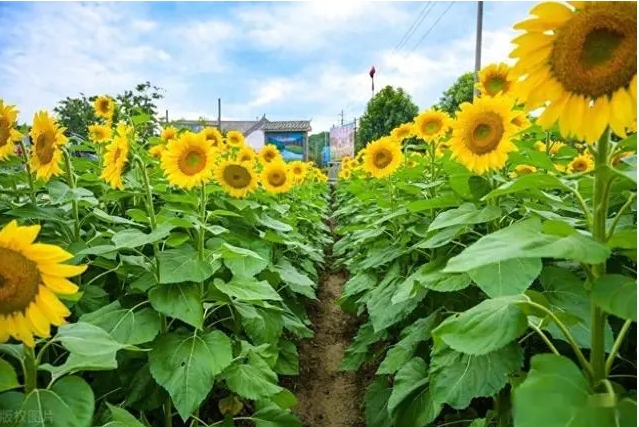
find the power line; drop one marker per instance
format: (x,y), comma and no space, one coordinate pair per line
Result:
(409,33)
(430,29)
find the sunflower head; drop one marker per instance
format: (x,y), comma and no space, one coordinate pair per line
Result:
(31,274)
(100,134)
(124,130)
(523,170)
(432,125)
(238,180)
(235,138)
(157,151)
(580,62)
(345,174)
(246,154)
(8,134)
(213,136)
(402,131)
(276,178)
(298,170)
(269,153)
(168,133)
(495,79)
(104,107)
(580,164)
(188,161)
(383,157)
(114,162)
(521,121)
(47,139)
(482,133)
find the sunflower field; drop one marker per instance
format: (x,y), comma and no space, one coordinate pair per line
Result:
(491,256)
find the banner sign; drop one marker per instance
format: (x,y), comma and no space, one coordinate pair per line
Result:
(342,141)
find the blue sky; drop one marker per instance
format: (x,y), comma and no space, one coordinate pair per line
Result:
(288,60)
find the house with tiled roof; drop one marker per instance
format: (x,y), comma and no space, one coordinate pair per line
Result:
(289,136)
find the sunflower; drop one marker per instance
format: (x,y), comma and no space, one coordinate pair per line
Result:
(617,158)
(168,133)
(275,177)
(495,80)
(582,62)
(237,179)
(157,151)
(47,138)
(114,161)
(298,170)
(100,134)
(581,163)
(482,132)
(431,125)
(402,131)
(31,274)
(213,135)
(521,121)
(8,134)
(189,160)
(246,154)
(522,170)
(124,130)
(269,153)
(345,173)
(104,107)
(383,157)
(235,138)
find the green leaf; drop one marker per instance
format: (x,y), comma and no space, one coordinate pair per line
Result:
(8,377)
(296,281)
(623,239)
(130,239)
(525,239)
(287,360)
(274,224)
(418,410)
(184,265)
(122,418)
(478,186)
(261,324)
(617,295)
(186,365)
(383,314)
(248,289)
(126,325)
(439,202)
(271,415)
(376,404)
(409,378)
(86,339)
(484,328)
(457,378)
(250,381)
(528,182)
(285,399)
(77,363)
(509,277)
(182,301)
(465,214)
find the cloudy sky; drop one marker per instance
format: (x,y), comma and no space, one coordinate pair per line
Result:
(288,60)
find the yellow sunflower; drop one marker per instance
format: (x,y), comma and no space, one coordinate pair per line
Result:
(235,138)
(383,157)
(114,161)
(31,274)
(237,179)
(46,137)
(275,177)
(522,170)
(157,151)
(213,135)
(124,130)
(495,79)
(482,132)
(246,154)
(298,170)
(402,131)
(521,121)
(100,134)
(581,163)
(580,62)
(104,107)
(8,134)
(189,160)
(432,125)
(269,153)
(168,133)
(345,174)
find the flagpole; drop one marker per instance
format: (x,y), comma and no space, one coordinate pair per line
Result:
(372,74)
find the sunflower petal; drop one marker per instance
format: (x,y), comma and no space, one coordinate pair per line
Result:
(552,12)
(61,270)
(42,252)
(51,307)
(39,323)
(22,330)
(59,285)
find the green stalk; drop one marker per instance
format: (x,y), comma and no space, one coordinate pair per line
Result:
(619,214)
(74,203)
(600,214)
(29,174)
(202,234)
(617,345)
(30,369)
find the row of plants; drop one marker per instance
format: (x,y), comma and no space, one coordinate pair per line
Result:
(492,255)
(152,281)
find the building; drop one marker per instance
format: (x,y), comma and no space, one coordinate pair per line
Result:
(290,137)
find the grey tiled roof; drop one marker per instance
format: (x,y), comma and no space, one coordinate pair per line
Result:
(249,126)
(290,126)
(227,125)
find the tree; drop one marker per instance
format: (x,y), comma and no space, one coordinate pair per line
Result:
(388,109)
(315,144)
(461,91)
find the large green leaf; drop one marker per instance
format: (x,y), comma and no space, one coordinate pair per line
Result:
(86,339)
(465,214)
(486,327)
(248,289)
(287,360)
(77,362)
(186,365)
(418,410)
(271,415)
(127,326)
(526,239)
(376,404)
(617,295)
(182,301)
(556,385)
(296,281)
(509,277)
(132,238)
(525,183)
(261,324)
(383,314)
(410,377)
(457,378)
(8,376)
(245,267)
(121,418)
(439,202)
(184,265)
(251,380)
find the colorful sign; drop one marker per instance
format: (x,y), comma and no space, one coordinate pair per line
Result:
(342,141)
(290,144)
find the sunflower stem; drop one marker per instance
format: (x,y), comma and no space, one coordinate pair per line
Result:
(617,345)
(150,209)
(25,156)
(619,214)
(202,234)
(74,203)
(30,369)
(600,214)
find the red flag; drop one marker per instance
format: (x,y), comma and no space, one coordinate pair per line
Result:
(372,72)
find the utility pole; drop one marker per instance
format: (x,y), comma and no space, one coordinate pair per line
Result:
(480,18)
(166,117)
(342,117)
(219,114)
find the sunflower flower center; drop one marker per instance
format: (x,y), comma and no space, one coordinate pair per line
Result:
(44,147)
(5,131)
(579,166)
(19,281)
(103,106)
(486,135)
(595,52)
(192,162)
(382,158)
(237,176)
(496,84)
(276,179)
(432,127)
(269,155)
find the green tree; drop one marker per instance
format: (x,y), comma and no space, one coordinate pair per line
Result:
(388,109)
(461,91)
(315,144)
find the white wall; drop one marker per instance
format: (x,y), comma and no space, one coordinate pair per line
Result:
(255,139)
